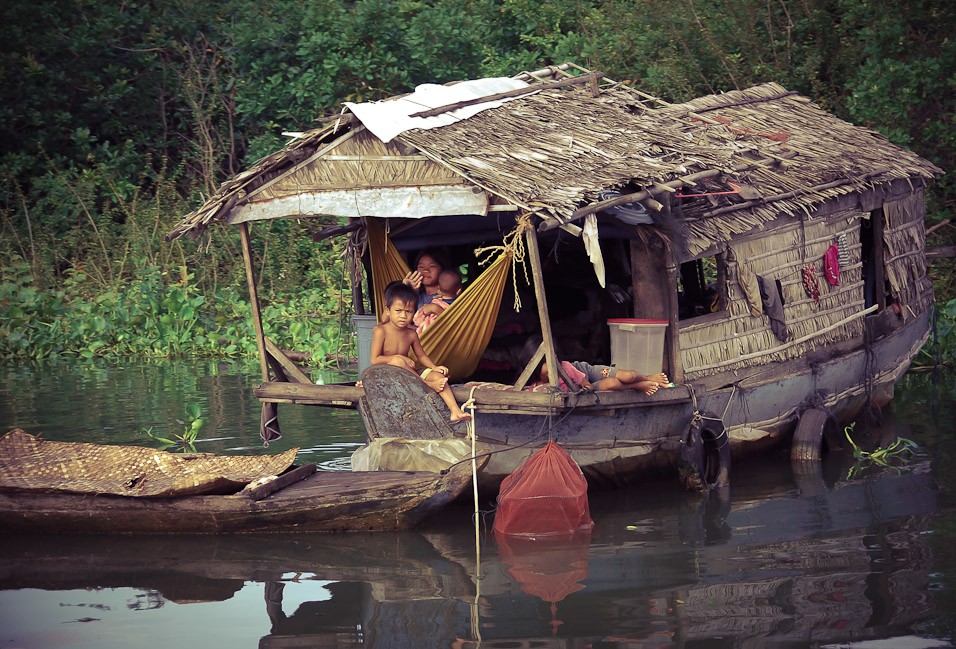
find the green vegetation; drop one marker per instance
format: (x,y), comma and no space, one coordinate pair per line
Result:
(118,118)
(900,451)
(940,350)
(184,441)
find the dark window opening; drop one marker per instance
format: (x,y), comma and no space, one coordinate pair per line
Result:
(700,287)
(871,257)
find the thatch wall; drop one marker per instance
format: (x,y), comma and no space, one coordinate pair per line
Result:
(741,339)
(361,161)
(904,238)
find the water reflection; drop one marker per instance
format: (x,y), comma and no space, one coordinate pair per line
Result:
(657,571)
(112,403)
(788,557)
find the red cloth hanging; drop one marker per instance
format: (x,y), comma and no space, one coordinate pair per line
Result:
(831,265)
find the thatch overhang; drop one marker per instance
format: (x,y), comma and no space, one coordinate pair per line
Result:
(552,152)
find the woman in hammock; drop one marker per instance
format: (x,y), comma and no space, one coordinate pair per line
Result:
(424,279)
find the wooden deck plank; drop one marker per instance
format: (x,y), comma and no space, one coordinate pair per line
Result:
(348,396)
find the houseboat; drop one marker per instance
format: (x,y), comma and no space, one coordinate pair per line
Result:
(764,254)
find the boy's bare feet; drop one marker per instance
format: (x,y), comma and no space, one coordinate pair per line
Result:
(661,379)
(647,387)
(461,415)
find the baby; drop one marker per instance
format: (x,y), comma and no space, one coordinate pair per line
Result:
(449,288)
(392,340)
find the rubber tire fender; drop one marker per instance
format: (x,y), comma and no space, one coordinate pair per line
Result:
(704,454)
(817,430)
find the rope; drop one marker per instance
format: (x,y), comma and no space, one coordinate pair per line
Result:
(511,244)
(698,416)
(472,426)
(727,407)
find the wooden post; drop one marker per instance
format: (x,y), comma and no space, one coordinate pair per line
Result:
(529,369)
(537,278)
(675,369)
(649,279)
(254,299)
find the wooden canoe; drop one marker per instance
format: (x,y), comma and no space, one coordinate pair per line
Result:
(300,500)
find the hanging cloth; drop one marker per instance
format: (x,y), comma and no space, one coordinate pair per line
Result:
(844,256)
(593,247)
(831,265)
(459,337)
(751,289)
(772,302)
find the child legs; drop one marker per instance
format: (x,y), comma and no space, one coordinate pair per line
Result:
(439,383)
(629,377)
(615,383)
(457,414)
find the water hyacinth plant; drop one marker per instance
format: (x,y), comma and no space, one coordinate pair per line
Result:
(185,440)
(899,452)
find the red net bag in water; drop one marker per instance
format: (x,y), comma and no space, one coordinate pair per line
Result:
(545,496)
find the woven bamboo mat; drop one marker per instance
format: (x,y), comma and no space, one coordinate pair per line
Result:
(28,463)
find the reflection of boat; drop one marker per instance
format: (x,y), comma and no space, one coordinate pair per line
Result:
(402,563)
(781,269)
(851,563)
(90,488)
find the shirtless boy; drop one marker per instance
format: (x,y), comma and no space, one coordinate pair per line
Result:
(392,340)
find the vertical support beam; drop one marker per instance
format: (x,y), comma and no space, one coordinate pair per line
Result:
(675,369)
(537,277)
(649,279)
(254,299)
(878,220)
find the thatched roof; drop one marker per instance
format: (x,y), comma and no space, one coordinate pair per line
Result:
(552,152)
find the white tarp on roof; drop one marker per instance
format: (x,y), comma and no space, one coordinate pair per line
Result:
(391,117)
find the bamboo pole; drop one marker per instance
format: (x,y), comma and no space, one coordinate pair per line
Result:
(336,230)
(798,192)
(537,277)
(672,336)
(254,299)
(780,348)
(630,198)
(529,369)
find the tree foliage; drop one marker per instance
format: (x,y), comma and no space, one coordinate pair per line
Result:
(119,117)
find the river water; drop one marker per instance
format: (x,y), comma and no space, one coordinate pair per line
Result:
(782,560)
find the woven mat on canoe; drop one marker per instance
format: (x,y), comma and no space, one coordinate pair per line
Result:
(28,463)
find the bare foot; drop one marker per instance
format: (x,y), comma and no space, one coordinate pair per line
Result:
(460,416)
(661,379)
(358,384)
(647,387)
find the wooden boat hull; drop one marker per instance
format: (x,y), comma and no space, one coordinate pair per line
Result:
(620,438)
(323,502)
